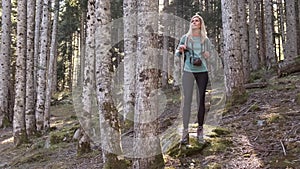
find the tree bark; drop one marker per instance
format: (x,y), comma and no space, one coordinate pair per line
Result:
(178,33)
(108,114)
(4,62)
(19,128)
(261,32)
(42,66)
(232,55)
(290,67)
(147,144)
(268,20)
(130,44)
(37,35)
(88,79)
(253,53)
(290,46)
(244,38)
(30,86)
(51,66)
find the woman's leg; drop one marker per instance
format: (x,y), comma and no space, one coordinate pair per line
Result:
(188,84)
(202,80)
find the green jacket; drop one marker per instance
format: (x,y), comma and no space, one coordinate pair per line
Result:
(194,44)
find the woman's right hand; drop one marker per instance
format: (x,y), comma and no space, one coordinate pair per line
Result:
(182,48)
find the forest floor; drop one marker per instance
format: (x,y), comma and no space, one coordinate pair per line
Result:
(263,132)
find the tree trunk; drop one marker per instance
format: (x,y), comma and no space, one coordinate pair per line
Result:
(289,67)
(30,87)
(165,54)
(147,144)
(261,32)
(178,33)
(232,55)
(171,56)
(268,20)
(51,66)
(290,46)
(42,66)
(88,79)
(19,128)
(108,114)
(253,53)
(83,6)
(130,42)
(37,35)
(4,62)
(244,38)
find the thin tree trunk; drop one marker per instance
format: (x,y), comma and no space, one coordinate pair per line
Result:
(253,52)
(244,38)
(268,20)
(290,46)
(42,66)
(130,44)
(30,87)
(37,35)
(19,128)
(261,32)
(88,79)
(51,66)
(4,62)
(82,41)
(178,33)
(165,53)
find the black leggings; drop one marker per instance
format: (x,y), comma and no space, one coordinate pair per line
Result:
(188,85)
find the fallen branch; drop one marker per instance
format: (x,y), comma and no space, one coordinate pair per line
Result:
(283,148)
(256,85)
(289,67)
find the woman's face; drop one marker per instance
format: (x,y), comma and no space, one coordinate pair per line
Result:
(196,23)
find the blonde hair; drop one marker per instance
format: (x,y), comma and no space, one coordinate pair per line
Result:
(203,33)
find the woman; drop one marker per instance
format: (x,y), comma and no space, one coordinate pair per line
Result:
(194,44)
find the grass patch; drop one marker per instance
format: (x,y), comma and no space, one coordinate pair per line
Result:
(39,156)
(217,145)
(254,108)
(213,166)
(64,135)
(274,118)
(221,131)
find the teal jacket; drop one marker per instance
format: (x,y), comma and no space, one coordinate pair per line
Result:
(194,44)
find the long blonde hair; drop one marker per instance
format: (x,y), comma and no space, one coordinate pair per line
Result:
(203,33)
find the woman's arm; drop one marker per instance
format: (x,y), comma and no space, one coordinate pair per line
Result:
(208,47)
(181,46)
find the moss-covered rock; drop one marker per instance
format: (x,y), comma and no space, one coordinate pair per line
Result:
(193,148)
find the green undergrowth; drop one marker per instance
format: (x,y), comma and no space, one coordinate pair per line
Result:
(42,155)
(63,135)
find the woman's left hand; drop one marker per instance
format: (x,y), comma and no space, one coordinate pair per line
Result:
(206,54)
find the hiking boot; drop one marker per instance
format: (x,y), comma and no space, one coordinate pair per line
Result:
(185,137)
(200,134)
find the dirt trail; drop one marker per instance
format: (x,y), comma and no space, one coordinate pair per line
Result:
(264,132)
